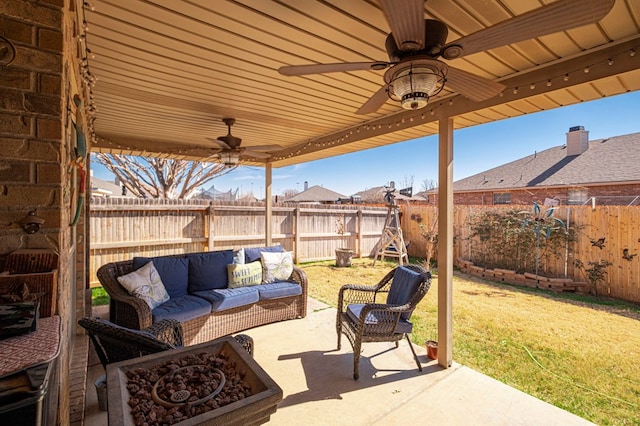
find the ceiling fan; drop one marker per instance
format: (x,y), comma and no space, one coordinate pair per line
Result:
(230,150)
(415,73)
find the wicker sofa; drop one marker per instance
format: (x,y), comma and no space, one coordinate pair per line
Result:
(205,314)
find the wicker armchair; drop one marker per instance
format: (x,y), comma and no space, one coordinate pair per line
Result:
(114,343)
(381,313)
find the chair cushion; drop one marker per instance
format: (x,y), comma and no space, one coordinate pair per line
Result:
(253,254)
(221,299)
(353,311)
(276,267)
(278,290)
(146,284)
(174,272)
(208,270)
(181,308)
(242,275)
(404,285)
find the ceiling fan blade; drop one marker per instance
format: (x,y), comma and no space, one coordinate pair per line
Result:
(375,102)
(220,143)
(406,19)
(472,86)
(558,16)
(327,68)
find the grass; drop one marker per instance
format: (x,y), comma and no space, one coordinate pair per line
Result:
(99,296)
(580,353)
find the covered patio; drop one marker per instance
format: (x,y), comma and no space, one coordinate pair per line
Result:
(156,78)
(169,73)
(316,381)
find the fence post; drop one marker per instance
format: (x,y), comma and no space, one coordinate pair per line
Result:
(359,232)
(296,234)
(209,228)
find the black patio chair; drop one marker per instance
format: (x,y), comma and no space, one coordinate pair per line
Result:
(114,343)
(381,313)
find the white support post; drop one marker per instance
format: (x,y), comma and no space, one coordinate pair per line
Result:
(445,242)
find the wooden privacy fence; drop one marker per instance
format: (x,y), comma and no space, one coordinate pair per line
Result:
(619,226)
(121,228)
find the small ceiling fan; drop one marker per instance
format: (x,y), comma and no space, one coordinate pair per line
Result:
(415,45)
(230,150)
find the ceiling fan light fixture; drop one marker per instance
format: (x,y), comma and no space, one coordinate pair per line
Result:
(412,84)
(229,158)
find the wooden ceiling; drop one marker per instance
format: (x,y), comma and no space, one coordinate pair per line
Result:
(168,71)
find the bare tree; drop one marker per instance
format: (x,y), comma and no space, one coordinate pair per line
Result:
(429,184)
(147,177)
(289,193)
(407,181)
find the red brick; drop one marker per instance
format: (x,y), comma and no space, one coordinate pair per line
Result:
(15,30)
(32,12)
(48,173)
(11,100)
(13,124)
(48,129)
(16,79)
(30,195)
(17,171)
(41,104)
(50,84)
(38,60)
(48,39)
(21,148)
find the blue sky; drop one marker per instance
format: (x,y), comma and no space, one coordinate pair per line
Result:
(476,149)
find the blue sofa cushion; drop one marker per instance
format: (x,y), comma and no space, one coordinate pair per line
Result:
(221,299)
(208,270)
(181,308)
(404,285)
(278,290)
(253,254)
(353,311)
(173,271)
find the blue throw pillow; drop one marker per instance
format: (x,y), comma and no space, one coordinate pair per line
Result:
(404,285)
(253,254)
(174,272)
(208,270)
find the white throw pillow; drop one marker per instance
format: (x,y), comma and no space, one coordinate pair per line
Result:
(145,283)
(238,256)
(276,266)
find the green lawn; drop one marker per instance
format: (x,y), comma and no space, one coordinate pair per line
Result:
(576,352)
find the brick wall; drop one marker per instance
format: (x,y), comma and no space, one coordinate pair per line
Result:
(605,195)
(35,137)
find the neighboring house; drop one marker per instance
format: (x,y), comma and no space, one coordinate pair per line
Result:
(602,172)
(316,194)
(103,188)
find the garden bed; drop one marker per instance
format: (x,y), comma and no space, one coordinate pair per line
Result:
(526,280)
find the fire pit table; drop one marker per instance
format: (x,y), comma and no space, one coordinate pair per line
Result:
(214,383)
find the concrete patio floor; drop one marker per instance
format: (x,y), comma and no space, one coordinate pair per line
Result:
(318,387)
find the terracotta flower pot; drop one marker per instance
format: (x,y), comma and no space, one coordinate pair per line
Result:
(432,349)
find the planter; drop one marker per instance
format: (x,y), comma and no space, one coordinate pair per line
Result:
(432,349)
(343,257)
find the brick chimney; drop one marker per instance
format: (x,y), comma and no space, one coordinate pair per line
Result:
(577,140)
